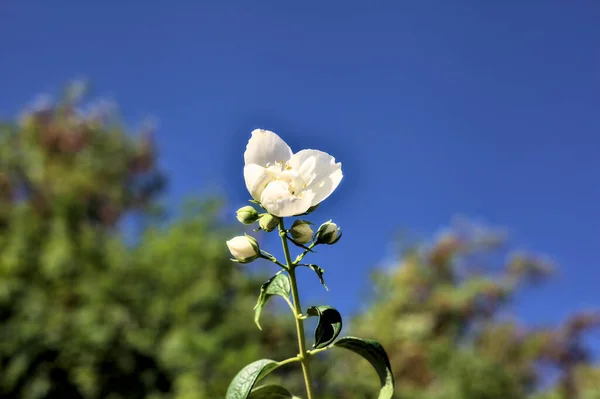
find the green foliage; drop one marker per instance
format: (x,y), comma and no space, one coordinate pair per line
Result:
(270,392)
(440,313)
(319,271)
(244,381)
(88,311)
(374,353)
(279,284)
(328,327)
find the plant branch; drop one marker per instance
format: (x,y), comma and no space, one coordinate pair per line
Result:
(303,254)
(287,361)
(268,256)
(302,355)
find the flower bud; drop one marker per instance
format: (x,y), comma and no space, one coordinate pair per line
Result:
(247,215)
(301,231)
(244,248)
(329,233)
(268,222)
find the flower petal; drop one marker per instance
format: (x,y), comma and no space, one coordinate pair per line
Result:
(266,147)
(243,248)
(324,187)
(320,172)
(256,178)
(277,200)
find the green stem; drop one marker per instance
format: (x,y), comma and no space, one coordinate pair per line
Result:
(268,256)
(290,360)
(303,254)
(303,356)
(315,351)
(287,300)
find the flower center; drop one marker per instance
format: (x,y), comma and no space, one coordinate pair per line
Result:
(282,171)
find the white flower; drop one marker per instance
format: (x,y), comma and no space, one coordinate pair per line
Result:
(243,248)
(287,184)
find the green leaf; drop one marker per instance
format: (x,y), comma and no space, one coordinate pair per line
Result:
(329,326)
(270,392)
(244,381)
(319,272)
(279,284)
(375,354)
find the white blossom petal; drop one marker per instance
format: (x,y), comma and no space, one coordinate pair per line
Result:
(323,188)
(243,248)
(320,172)
(266,147)
(279,201)
(257,178)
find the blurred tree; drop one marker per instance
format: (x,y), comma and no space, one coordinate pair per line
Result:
(85,313)
(88,312)
(441,315)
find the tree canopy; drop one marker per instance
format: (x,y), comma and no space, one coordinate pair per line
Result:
(86,311)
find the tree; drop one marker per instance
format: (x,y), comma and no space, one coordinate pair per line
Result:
(438,314)
(87,312)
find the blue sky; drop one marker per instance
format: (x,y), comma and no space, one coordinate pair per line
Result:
(435,108)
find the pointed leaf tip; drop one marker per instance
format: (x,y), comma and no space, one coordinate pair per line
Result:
(320,271)
(375,354)
(279,284)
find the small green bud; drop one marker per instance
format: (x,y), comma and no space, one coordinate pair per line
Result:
(247,215)
(244,248)
(329,233)
(268,222)
(301,231)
